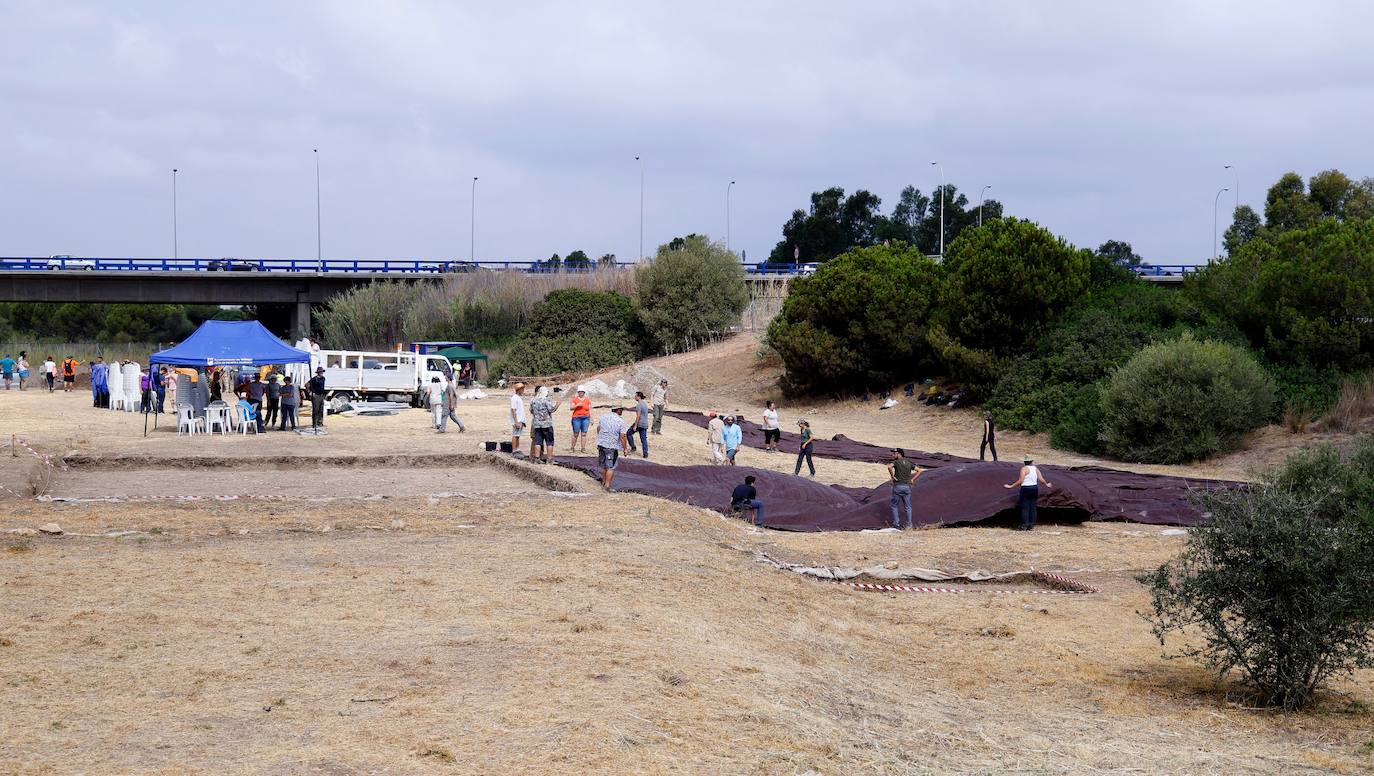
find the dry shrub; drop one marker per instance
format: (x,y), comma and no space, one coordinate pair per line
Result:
(485,305)
(1297,418)
(1354,403)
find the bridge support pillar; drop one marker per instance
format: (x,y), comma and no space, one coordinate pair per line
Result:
(300,320)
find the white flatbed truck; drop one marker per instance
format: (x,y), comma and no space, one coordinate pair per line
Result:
(356,375)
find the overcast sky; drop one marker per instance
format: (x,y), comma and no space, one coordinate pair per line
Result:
(1098,121)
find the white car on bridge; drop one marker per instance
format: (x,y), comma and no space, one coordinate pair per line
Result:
(70,262)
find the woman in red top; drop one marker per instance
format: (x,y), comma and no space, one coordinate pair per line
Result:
(581,418)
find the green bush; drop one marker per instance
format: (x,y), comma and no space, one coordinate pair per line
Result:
(574,330)
(1277,582)
(1099,335)
(693,289)
(859,322)
(1184,400)
(1079,427)
(1305,296)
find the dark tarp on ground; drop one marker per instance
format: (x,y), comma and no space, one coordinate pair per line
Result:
(952,490)
(230,343)
(959,493)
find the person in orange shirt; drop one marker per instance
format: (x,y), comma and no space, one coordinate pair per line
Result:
(581,419)
(69,366)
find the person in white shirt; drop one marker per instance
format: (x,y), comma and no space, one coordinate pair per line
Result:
(437,405)
(518,420)
(659,400)
(772,432)
(1030,479)
(715,438)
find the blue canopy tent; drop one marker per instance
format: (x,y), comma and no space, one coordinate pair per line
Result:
(230,343)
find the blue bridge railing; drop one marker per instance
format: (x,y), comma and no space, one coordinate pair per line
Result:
(382,266)
(406,266)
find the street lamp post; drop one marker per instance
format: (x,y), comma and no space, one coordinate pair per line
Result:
(1236,172)
(641,207)
(941,167)
(319,232)
(174,214)
(727,216)
(980,203)
(1215,200)
(472,227)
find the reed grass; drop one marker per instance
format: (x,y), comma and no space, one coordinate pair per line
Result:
(486,306)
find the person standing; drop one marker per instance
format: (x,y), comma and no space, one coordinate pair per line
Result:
(316,386)
(715,438)
(610,441)
(903,474)
(731,436)
(1030,479)
(541,425)
(23,368)
(160,388)
(641,424)
(434,397)
(745,496)
(518,420)
(273,396)
(69,366)
(290,399)
(7,370)
(257,392)
(772,431)
(451,405)
(989,438)
(581,419)
(50,373)
(804,451)
(660,402)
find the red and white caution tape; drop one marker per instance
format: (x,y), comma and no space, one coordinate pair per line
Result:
(1067,587)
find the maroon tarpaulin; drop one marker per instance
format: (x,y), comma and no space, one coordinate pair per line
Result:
(952,489)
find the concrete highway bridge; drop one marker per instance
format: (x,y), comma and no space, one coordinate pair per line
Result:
(302,284)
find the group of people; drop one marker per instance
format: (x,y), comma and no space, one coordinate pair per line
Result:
(539,421)
(270,397)
(13,370)
(724,436)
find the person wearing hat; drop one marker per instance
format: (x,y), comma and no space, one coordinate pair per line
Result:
(731,436)
(715,438)
(581,418)
(903,474)
(659,401)
(517,417)
(1029,479)
(610,442)
(804,451)
(316,387)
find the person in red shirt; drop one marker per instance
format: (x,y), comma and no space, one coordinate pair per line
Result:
(581,419)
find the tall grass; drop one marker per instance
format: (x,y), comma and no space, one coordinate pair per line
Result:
(486,306)
(40,348)
(1354,404)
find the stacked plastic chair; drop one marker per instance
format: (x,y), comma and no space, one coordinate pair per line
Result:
(115,382)
(133,395)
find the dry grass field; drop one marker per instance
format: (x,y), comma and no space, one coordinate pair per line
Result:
(408,605)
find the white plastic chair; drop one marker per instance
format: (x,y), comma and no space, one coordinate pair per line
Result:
(246,423)
(217,417)
(188,422)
